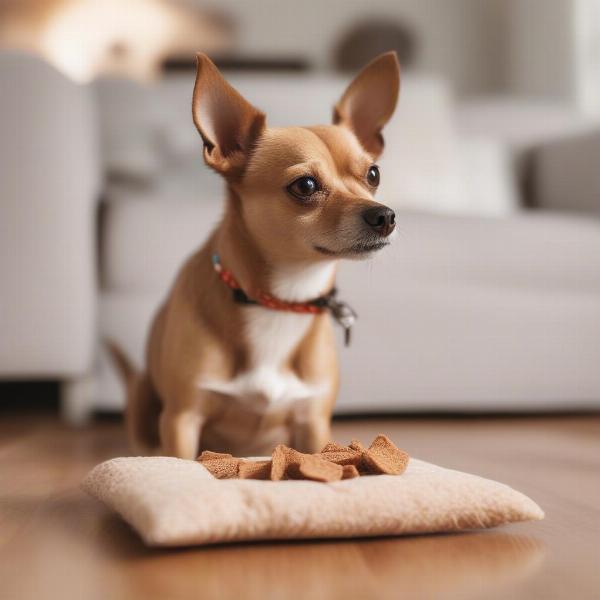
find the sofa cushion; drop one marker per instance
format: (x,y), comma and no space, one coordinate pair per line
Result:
(521,123)
(145,242)
(521,126)
(148,135)
(145,239)
(459,314)
(566,174)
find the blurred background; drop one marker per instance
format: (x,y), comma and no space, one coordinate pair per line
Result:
(489,300)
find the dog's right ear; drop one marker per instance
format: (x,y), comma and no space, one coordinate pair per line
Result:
(229,124)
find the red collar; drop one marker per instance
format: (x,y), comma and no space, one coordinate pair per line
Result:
(340,311)
(314,306)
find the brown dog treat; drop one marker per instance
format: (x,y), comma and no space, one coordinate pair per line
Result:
(378,464)
(383,456)
(259,469)
(282,459)
(335,462)
(364,466)
(223,468)
(278,462)
(349,472)
(293,472)
(318,469)
(333,447)
(357,446)
(292,468)
(342,457)
(357,449)
(209,455)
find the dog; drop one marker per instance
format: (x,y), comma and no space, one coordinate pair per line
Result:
(241,356)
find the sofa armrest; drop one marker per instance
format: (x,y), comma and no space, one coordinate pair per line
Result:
(49,182)
(566,173)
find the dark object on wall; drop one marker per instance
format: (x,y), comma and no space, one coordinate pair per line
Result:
(365,41)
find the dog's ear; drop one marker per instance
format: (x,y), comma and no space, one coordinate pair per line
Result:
(370,100)
(229,124)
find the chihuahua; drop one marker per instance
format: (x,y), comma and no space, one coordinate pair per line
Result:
(241,356)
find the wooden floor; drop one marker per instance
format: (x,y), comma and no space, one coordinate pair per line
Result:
(57,543)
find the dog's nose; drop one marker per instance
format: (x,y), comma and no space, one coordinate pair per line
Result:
(381,219)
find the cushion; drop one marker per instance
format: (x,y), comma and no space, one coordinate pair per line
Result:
(128,122)
(173,502)
(421,162)
(521,123)
(566,175)
(490,185)
(490,309)
(146,239)
(420,165)
(145,242)
(148,131)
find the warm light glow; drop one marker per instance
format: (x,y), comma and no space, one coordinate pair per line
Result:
(86,38)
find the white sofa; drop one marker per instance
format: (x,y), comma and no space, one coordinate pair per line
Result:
(463,313)
(480,306)
(483,308)
(50,180)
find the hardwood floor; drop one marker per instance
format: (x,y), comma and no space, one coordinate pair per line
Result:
(55,542)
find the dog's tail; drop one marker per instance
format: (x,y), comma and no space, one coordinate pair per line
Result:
(143,403)
(121,361)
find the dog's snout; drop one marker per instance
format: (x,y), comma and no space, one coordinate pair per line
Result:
(381,219)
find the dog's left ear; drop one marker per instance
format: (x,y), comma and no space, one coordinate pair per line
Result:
(228,123)
(370,100)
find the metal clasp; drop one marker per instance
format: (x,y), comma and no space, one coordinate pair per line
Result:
(344,315)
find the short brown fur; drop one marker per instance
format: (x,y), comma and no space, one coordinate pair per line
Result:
(200,335)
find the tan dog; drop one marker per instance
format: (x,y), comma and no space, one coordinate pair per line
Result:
(233,376)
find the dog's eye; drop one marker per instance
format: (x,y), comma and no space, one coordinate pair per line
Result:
(373,176)
(303,187)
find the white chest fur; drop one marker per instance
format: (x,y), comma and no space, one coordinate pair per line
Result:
(272,337)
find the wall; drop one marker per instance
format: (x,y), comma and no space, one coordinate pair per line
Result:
(554,50)
(540,48)
(460,39)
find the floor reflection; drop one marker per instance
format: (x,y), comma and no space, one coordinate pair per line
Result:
(448,566)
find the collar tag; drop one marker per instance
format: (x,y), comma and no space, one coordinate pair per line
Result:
(344,315)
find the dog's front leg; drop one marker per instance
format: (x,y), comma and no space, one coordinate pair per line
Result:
(311,424)
(180,433)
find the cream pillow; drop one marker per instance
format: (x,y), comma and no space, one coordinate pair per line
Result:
(172,502)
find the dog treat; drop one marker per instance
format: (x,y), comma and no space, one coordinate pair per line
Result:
(343,458)
(220,464)
(333,463)
(319,469)
(341,455)
(349,472)
(283,459)
(384,457)
(333,447)
(259,469)
(356,445)
(279,460)
(209,455)
(293,460)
